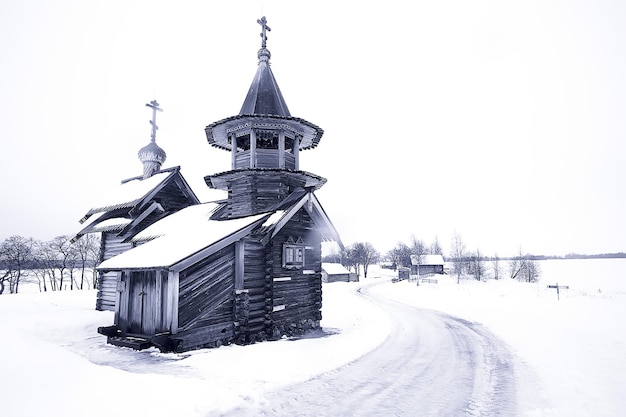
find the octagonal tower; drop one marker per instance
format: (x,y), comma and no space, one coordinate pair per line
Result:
(265,143)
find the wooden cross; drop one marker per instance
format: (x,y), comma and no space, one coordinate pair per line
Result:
(263,22)
(558,287)
(155,107)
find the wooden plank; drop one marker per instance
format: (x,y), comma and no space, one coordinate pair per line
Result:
(239,265)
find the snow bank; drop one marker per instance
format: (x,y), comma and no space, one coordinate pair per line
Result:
(53,363)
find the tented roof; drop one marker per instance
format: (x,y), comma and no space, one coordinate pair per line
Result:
(264,96)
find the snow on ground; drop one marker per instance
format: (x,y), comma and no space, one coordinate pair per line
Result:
(53,363)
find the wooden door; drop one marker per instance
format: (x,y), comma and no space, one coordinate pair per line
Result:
(141,301)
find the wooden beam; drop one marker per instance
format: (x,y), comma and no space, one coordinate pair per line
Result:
(239,264)
(252,148)
(281,149)
(233,142)
(296,151)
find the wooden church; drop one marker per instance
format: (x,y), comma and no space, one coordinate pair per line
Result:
(241,270)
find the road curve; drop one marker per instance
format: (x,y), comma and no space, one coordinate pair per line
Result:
(431,364)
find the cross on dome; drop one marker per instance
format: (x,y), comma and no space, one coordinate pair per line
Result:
(155,107)
(264,28)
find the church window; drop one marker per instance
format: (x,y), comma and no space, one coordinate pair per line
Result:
(293,253)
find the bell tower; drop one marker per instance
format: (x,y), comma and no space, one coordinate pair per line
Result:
(265,142)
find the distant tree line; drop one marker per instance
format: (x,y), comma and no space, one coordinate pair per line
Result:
(356,257)
(55,265)
(463,263)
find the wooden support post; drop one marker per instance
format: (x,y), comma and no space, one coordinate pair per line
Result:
(233,142)
(296,151)
(558,287)
(281,149)
(252,148)
(239,264)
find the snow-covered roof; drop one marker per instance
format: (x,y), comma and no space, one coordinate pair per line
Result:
(428,260)
(183,219)
(177,237)
(333,268)
(115,223)
(129,193)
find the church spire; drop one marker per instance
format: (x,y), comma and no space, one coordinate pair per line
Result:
(264,96)
(151,155)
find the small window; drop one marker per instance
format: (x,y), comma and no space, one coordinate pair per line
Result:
(293,254)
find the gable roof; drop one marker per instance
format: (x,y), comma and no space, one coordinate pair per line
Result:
(180,236)
(311,204)
(428,260)
(133,201)
(334,268)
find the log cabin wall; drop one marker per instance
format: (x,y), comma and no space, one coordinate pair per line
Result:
(255,191)
(111,245)
(206,302)
(296,293)
(257,284)
(252,194)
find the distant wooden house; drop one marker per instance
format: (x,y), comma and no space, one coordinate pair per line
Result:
(403,273)
(430,264)
(335,272)
(241,270)
(139,202)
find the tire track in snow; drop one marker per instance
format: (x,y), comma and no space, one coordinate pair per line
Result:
(431,364)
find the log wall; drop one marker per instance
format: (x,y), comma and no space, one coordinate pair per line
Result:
(296,293)
(257,283)
(206,301)
(111,245)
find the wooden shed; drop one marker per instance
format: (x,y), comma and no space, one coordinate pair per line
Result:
(430,264)
(335,272)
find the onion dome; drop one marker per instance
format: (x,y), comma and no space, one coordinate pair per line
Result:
(152,157)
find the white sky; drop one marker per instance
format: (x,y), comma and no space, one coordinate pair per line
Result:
(500,121)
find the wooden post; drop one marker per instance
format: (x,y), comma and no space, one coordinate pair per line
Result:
(239,264)
(252,148)
(557,286)
(281,149)
(296,151)
(233,142)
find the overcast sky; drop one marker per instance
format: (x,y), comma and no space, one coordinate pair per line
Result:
(503,122)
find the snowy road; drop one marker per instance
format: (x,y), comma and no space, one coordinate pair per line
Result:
(432,364)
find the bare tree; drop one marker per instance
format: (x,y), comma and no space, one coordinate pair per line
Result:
(400,255)
(362,254)
(523,268)
(15,253)
(418,249)
(86,247)
(435,247)
(65,256)
(369,256)
(495,267)
(532,271)
(46,258)
(477,266)
(516,265)
(458,255)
